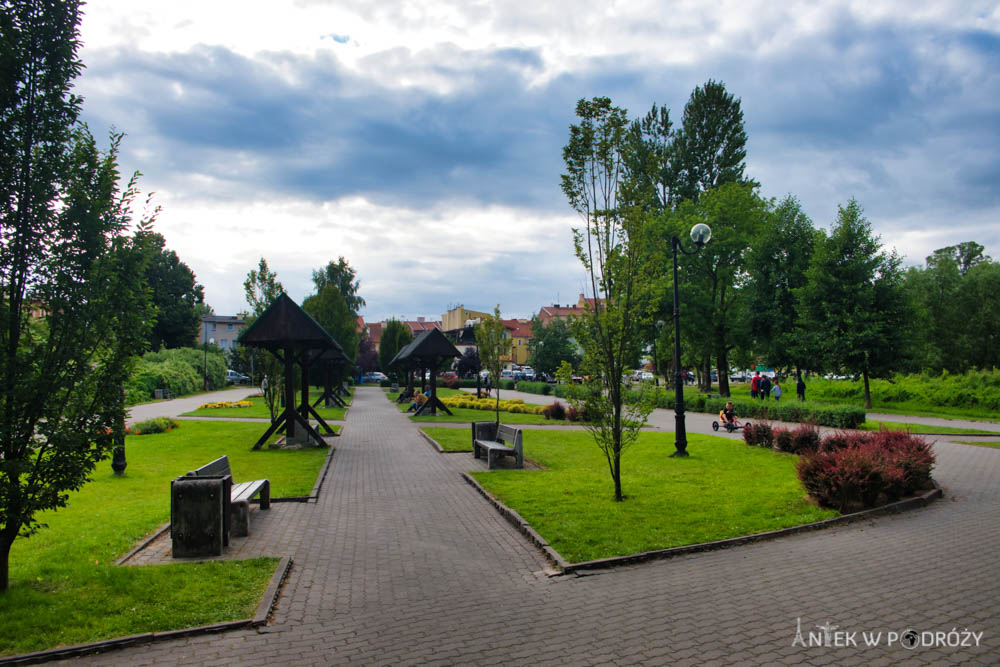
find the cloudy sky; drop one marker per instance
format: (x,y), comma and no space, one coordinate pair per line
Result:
(421,139)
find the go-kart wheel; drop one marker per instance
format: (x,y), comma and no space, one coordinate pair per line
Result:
(715,426)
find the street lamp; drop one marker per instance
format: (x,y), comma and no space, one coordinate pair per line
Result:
(205,367)
(700,234)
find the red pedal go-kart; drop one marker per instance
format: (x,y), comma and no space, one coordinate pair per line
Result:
(730,426)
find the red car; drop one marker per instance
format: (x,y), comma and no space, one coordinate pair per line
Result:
(449,375)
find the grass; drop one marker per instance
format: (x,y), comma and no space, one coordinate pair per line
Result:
(451,439)
(917,428)
(259,411)
(978,443)
(64,588)
(724,489)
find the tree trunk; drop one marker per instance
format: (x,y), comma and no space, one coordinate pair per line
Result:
(722,362)
(7,538)
(868,393)
(618,476)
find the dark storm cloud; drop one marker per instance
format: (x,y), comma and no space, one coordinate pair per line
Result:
(904,119)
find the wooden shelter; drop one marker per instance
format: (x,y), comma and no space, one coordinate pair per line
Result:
(291,335)
(428,350)
(331,363)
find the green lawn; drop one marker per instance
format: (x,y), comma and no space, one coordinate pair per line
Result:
(64,587)
(259,411)
(451,439)
(917,428)
(724,489)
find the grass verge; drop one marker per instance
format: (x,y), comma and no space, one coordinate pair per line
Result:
(65,589)
(724,489)
(917,428)
(467,415)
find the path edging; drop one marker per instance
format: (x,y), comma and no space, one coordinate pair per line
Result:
(264,610)
(568,568)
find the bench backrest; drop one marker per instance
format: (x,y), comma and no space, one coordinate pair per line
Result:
(217,468)
(509,435)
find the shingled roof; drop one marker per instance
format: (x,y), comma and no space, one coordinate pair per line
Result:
(284,324)
(431,344)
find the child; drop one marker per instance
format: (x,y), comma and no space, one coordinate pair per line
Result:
(776,390)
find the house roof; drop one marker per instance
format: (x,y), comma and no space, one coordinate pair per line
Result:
(223,319)
(518,328)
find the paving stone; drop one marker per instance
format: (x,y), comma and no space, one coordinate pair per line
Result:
(401,562)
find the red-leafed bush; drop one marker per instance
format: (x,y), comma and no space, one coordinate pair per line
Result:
(855,470)
(574,415)
(759,434)
(555,410)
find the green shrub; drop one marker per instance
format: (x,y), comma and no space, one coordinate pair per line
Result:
(155,425)
(837,416)
(543,388)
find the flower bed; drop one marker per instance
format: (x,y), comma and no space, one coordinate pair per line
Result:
(515,405)
(225,404)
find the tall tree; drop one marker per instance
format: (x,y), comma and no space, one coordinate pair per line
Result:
(178,298)
(330,310)
(776,267)
(550,345)
(494,347)
(367,356)
(395,336)
(609,246)
(710,147)
(853,307)
(651,160)
(260,289)
(343,277)
(74,310)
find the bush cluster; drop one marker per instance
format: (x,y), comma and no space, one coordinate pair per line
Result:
(179,371)
(157,425)
(847,471)
(226,404)
(543,388)
(469,401)
(837,416)
(554,410)
(872,466)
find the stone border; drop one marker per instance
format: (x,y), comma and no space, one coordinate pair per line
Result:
(144,543)
(569,568)
(264,610)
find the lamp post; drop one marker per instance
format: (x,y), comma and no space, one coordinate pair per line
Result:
(700,234)
(205,366)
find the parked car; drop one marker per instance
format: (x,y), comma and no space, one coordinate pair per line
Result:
(506,374)
(232,377)
(449,375)
(373,377)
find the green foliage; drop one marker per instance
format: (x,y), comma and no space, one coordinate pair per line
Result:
(710,147)
(837,416)
(151,426)
(975,393)
(261,288)
(341,276)
(179,371)
(75,308)
(543,388)
(609,246)
(176,296)
(395,336)
(494,345)
(959,325)
(854,313)
(330,310)
(551,345)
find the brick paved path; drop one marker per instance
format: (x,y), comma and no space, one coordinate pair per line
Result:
(400,562)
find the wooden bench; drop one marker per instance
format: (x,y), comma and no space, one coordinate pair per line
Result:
(239,495)
(497,442)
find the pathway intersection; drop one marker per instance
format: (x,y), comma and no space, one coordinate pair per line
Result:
(401,562)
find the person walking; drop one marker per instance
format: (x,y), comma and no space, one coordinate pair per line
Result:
(765,388)
(776,390)
(755,384)
(800,388)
